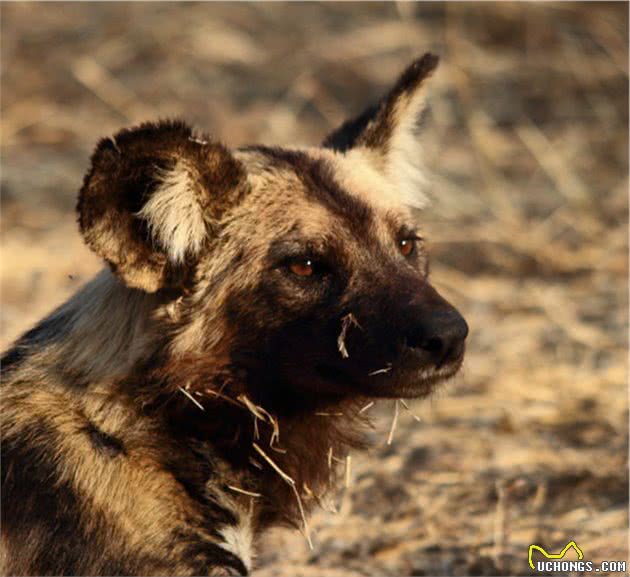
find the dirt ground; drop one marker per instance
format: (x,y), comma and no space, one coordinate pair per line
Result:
(527,141)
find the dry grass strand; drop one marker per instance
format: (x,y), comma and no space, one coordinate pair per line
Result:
(191,398)
(346,322)
(392,429)
(243,491)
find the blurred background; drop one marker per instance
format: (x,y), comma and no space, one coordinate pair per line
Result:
(527,141)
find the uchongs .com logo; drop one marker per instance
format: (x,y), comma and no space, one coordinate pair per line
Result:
(551,562)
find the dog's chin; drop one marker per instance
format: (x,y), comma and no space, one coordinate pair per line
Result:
(394,381)
(421,383)
(409,383)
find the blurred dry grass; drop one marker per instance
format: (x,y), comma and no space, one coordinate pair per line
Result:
(528,142)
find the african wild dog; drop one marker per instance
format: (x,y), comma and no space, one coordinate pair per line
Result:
(247,292)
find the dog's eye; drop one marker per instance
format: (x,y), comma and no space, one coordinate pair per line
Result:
(302,267)
(406,246)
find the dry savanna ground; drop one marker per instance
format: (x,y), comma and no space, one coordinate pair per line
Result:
(528,144)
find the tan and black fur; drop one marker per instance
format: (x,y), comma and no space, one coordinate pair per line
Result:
(293,281)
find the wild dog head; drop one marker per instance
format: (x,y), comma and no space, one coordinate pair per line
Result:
(295,270)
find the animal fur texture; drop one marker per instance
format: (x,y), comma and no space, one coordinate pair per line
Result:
(175,408)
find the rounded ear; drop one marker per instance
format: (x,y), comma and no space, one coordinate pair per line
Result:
(393,117)
(386,134)
(151,197)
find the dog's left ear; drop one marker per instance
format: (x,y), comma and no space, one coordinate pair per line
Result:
(387,132)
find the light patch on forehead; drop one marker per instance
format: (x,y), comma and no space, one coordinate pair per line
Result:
(357,173)
(266,178)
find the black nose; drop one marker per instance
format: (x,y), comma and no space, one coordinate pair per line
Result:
(441,334)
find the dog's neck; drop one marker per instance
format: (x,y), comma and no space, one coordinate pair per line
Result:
(109,334)
(101,333)
(275,455)
(278,446)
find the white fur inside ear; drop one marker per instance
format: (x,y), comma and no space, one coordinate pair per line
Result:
(174,215)
(393,174)
(405,168)
(404,164)
(367,173)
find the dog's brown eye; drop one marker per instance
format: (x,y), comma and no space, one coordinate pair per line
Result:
(304,267)
(407,246)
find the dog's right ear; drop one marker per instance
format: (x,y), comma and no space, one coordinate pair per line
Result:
(386,134)
(151,199)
